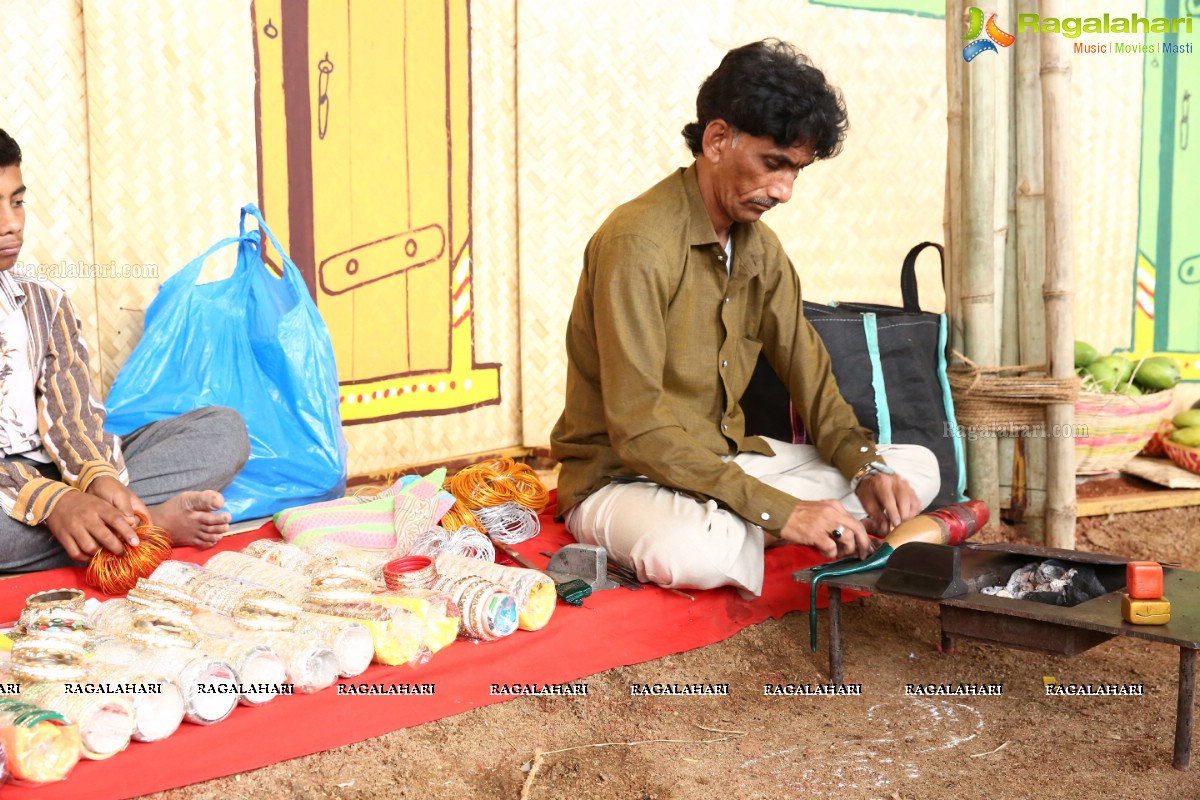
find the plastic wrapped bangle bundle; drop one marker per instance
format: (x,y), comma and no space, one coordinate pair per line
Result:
(105,721)
(341,585)
(157,709)
(350,641)
(264,610)
(259,669)
(208,684)
(289,556)
(291,585)
(534,590)
(409,572)
(39,745)
(218,592)
(153,594)
(48,658)
(488,611)
(397,636)
(310,665)
(369,561)
(434,613)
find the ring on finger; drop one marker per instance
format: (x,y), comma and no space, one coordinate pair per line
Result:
(837,532)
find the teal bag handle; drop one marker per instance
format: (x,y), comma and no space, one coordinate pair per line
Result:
(883,414)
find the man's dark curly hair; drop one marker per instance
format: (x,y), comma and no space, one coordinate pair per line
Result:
(770,88)
(10,151)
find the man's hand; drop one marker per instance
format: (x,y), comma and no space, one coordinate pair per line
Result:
(888,501)
(812,522)
(83,524)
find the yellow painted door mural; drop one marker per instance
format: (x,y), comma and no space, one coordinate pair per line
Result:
(1167,282)
(364,159)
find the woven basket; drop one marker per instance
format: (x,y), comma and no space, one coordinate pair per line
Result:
(1005,400)
(1116,427)
(1184,456)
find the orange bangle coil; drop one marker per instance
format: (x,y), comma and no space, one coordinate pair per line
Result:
(116,575)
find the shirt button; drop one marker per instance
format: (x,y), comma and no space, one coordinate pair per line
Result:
(862,449)
(724,426)
(724,364)
(765,516)
(726,299)
(721,259)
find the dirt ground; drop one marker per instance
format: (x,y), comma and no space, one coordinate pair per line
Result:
(881,744)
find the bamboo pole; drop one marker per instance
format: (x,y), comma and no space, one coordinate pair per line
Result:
(1059,292)
(1031,254)
(978,290)
(1004,236)
(952,213)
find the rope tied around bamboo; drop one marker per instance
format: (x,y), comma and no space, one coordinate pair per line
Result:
(1008,399)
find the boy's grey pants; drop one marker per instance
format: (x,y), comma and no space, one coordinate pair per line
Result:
(202,449)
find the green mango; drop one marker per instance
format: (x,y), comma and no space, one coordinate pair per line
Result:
(1107,372)
(1129,390)
(1159,372)
(1188,437)
(1084,353)
(1188,419)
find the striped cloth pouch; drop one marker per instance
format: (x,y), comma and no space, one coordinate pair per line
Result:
(391,520)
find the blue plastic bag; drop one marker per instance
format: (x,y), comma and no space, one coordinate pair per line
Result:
(255,343)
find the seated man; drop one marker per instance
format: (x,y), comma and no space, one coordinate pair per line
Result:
(67,487)
(681,289)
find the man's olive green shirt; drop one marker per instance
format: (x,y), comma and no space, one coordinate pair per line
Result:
(661,344)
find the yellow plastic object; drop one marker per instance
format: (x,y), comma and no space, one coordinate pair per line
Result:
(437,627)
(1145,612)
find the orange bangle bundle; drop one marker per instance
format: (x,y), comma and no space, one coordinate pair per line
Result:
(115,575)
(497,481)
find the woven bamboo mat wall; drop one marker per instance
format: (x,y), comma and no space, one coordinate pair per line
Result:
(599,120)
(41,58)
(170,96)
(1106,111)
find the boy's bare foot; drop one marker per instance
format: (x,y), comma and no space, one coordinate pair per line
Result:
(192,518)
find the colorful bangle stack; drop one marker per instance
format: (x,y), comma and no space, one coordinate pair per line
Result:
(410,572)
(39,745)
(45,605)
(534,590)
(488,612)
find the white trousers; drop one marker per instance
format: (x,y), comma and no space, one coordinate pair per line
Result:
(674,540)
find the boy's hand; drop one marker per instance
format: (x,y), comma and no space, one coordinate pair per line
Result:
(112,491)
(83,524)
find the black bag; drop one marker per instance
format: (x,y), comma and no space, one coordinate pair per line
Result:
(890,365)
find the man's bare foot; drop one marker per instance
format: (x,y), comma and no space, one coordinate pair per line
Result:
(192,518)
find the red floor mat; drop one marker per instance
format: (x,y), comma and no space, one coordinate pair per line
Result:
(636,625)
